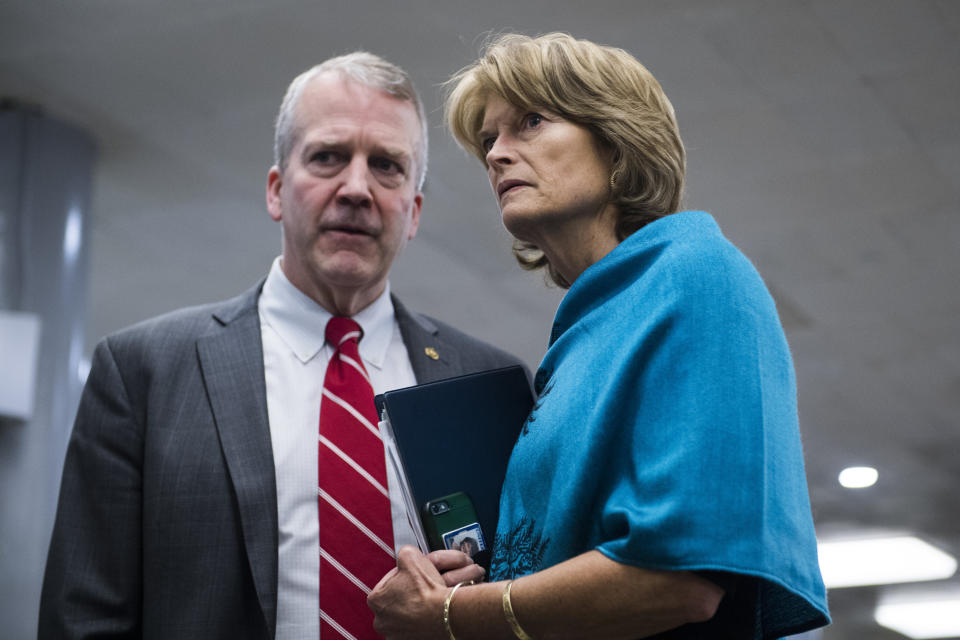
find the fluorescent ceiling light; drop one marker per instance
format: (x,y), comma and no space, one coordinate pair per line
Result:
(858,477)
(867,561)
(934,618)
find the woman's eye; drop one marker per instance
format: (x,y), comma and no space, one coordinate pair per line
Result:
(487,143)
(532,120)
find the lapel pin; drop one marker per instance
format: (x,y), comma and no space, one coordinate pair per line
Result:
(432,353)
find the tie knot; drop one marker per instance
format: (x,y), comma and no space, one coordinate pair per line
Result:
(340,330)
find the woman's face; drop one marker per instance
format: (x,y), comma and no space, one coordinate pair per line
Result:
(548,174)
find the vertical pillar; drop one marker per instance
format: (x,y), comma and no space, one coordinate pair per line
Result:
(45,178)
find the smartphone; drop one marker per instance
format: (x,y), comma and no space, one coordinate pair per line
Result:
(451,522)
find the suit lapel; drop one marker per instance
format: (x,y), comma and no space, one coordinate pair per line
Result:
(431,357)
(231,359)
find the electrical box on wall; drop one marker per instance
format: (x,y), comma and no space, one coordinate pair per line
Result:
(19,352)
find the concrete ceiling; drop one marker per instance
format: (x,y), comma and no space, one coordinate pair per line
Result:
(822,134)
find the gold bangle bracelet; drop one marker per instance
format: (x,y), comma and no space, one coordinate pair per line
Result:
(511,616)
(446,607)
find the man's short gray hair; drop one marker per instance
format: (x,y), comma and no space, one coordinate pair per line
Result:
(365,68)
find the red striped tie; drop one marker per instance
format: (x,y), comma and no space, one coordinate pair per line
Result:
(356,531)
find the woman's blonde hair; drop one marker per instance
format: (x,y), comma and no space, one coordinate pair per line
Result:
(605,90)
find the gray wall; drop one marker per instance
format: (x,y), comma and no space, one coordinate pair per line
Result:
(45,177)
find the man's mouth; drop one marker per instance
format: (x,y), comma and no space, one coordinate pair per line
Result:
(349,230)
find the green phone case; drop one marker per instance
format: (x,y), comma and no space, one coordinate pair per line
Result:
(450,522)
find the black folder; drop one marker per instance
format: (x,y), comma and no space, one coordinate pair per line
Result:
(457,435)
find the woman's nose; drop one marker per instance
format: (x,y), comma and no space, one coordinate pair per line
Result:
(500,152)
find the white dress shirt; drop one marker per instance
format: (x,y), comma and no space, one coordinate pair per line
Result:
(295,359)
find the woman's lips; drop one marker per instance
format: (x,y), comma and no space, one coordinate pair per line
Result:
(508,185)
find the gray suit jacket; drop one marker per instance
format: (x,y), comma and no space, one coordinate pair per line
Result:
(167,521)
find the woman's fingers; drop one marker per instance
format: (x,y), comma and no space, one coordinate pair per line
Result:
(464,574)
(448,559)
(456,566)
(407,602)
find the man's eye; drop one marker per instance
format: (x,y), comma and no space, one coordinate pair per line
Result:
(385,165)
(325,157)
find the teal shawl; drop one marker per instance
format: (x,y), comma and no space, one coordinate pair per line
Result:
(665,432)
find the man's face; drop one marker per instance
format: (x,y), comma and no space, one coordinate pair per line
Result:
(347,201)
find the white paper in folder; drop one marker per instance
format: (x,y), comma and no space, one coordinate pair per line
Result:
(397,477)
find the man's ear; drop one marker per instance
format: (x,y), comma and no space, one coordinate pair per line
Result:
(415,215)
(274,182)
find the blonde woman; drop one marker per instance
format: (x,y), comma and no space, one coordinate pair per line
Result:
(657,488)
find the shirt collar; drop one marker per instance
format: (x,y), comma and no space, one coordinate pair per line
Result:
(300,321)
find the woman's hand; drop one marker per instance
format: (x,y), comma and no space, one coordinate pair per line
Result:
(456,567)
(408,601)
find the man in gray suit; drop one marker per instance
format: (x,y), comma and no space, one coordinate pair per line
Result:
(188,507)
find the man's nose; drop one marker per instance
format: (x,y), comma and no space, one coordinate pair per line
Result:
(355,189)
